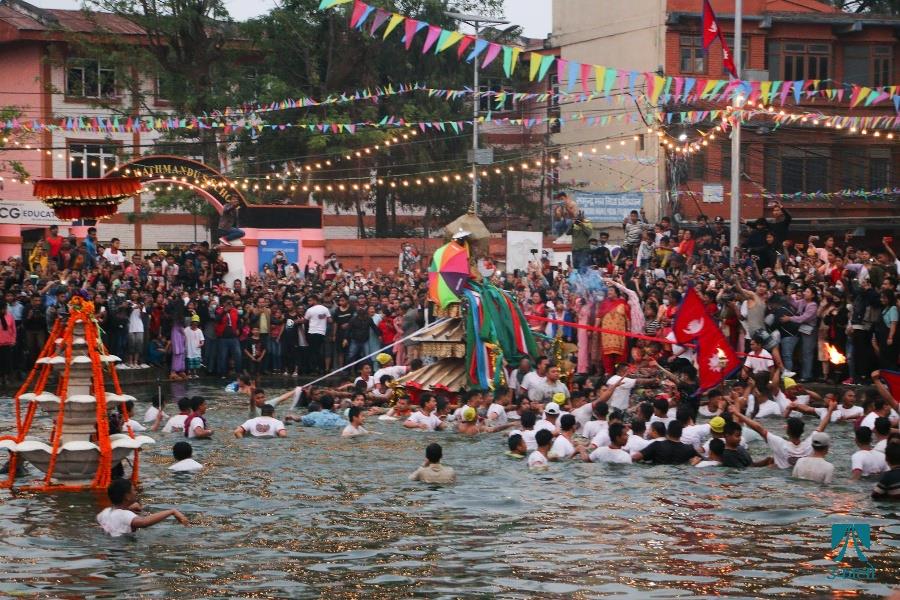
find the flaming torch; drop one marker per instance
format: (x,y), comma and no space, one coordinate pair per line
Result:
(834,357)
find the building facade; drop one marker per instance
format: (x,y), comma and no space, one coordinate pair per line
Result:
(46,79)
(781,40)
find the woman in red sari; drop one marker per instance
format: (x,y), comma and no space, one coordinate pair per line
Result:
(612,313)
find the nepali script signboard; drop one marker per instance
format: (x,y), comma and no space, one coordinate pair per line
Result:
(600,207)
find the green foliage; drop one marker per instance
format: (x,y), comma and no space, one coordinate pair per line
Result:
(15,166)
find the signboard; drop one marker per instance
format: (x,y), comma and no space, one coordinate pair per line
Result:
(482,156)
(28,213)
(519,246)
(713,192)
(269,248)
(600,207)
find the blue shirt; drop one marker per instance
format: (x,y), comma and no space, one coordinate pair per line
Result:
(323,418)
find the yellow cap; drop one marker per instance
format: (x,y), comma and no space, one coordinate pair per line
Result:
(789,383)
(195,318)
(469,414)
(559,398)
(383,358)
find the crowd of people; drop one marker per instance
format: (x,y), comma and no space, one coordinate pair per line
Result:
(822,309)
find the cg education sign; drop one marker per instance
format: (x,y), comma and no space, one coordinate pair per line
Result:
(600,207)
(28,213)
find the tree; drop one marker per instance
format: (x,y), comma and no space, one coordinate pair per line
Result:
(307,52)
(14,166)
(880,7)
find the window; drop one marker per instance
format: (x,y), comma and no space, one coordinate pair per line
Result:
(697,166)
(868,65)
(91,160)
(865,169)
(726,160)
(164,87)
(805,61)
(693,57)
(87,78)
(745,51)
(488,101)
(880,168)
(882,66)
(804,170)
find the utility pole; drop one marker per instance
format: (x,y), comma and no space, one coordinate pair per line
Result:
(736,139)
(476,22)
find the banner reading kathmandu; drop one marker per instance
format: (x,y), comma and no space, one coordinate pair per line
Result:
(685,89)
(716,359)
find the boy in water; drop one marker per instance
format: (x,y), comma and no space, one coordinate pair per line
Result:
(176,424)
(888,487)
(356,417)
(264,426)
(538,459)
(432,471)
(182,451)
(121,518)
(195,423)
(517,448)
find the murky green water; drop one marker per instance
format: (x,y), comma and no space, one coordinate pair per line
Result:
(314,515)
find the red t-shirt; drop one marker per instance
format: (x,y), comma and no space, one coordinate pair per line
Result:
(55,243)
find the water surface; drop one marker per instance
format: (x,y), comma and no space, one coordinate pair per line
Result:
(315,515)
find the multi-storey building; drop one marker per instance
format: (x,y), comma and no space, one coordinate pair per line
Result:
(781,40)
(46,79)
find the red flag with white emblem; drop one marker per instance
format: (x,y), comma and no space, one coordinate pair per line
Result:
(716,359)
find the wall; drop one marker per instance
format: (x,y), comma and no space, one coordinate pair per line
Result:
(624,35)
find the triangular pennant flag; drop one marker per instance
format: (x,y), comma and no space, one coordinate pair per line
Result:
(410,26)
(329,3)
(479,47)
(658,84)
(572,76)
(381,16)
(535,64)
(546,63)
(585,77)
(447,39)
(362,20)
(798,89)
(395,20)
(562,66)
(599,76)
(359,9)
(510,58)
(464,43)
(609,78)
(489,56)
(433,33)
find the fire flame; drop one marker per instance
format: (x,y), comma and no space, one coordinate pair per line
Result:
(834,357)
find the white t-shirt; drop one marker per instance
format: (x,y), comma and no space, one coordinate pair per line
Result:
(114,258)
(195,423)
(188,465)
(193,342)
(175,424)
(431,421)
(394,371)
(664,420)
(869,462)
(695,435)
(135,426)
(708,463)
(527,437)
(601,440)
(636,443)
(262,426)
(620,395)
(561,448)
(786,453)
(537,460)
(529,380)
(317,319)
(768,408)
(869,420)
(759,362)
(880,446)
(544,390)
(152,412)
(545,424)
(496,414)
(135,323)
(350,431)
(583,414)
(814,468)
(606,454)
(592,428)
(116,521)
